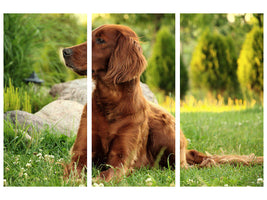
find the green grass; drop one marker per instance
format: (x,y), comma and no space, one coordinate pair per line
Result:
(36,161)
(142,177)
(229,133)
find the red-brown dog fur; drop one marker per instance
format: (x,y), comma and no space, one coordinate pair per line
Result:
(76,59)
(127,131)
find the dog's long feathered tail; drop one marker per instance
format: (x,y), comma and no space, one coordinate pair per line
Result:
(194,157)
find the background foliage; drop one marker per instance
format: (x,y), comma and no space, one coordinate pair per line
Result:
(161,65)
(32,42)
(250,64)
(183,78)
(212,43)
(213,64)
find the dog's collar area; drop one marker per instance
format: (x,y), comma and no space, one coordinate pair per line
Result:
(95,72)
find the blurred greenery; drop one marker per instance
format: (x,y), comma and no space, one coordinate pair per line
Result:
(232,28)
(161,65)
(15,99)
(250,64)
(157,36)
(213,64)
(183,78)
(32,42)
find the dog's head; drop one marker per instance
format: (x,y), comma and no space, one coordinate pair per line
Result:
(76,58)
(117,56)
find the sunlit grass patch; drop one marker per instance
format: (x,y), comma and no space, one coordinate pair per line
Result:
(38,161)
(191,104)
(237,133)
(141,177)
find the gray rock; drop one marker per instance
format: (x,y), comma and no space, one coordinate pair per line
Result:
(60,115)
(75,90)
(25,120)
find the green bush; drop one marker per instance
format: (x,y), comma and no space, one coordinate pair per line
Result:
(15,99)
(33,42)
(213,64)
(183,78)
(250,64)
(161,65)
(39,96)
(20,42)
(29,98)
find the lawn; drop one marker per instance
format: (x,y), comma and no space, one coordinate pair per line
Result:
(36,161)
(237,132)
(142,177)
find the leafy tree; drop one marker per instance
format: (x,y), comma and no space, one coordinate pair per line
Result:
(161,65)
(32,42)
(192,26)
(250,63)
(213,64)
(20,38)
(183,78)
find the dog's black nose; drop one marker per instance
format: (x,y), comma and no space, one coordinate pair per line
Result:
(67,52)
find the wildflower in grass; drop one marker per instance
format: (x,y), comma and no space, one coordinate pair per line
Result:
(15,163)
(190,181)
(49,158)
(28,165)
(4,182)
(25,175)
(149,181)
(172,184)
(188,140)
(259,180)
(16,160)
(226,185)
(21,172)
(40,156)
(98,185)
(82,185)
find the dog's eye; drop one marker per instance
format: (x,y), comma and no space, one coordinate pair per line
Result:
(100,41)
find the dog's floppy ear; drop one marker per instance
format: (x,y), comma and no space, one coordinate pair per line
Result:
(127,61)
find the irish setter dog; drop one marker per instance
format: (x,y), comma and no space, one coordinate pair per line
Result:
(128,131)
(76,59)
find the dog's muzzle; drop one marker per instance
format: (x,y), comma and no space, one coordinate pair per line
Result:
(67,53)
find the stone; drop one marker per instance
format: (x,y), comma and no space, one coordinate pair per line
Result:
(65,115)
(25,120)
(75,90)
(61,115)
